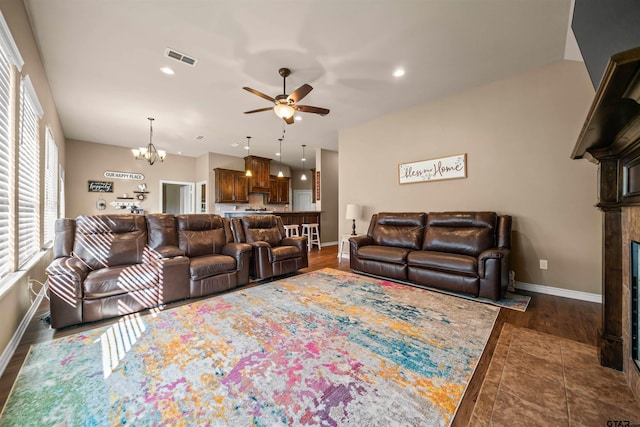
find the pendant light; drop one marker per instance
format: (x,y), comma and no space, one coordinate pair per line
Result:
(280,174)
(248,171)
(304,176)
(149,153)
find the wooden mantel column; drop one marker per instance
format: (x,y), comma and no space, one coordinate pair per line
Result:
(610,343)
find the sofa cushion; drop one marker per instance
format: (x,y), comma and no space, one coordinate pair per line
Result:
(280,253)
(111,281)
(202,234)
(383,253)
(211,265)
(110,240)
(403,230)
(443,261)
(466,233)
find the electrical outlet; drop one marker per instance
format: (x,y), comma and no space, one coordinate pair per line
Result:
(544,264)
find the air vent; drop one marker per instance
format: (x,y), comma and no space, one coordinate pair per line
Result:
(174,54)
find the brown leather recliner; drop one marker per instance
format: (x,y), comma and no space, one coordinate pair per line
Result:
(273,254)
(216,262)
(104,268)
(466,252)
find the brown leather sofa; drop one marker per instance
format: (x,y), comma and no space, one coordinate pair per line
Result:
(103,267)
(216,263)
(274,254)
(465,252)
(111,265)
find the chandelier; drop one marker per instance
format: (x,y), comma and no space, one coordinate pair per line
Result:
(149,153)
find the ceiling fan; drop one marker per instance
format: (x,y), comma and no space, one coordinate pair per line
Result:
(285,105)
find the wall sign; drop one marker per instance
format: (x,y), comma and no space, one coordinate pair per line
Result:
(451,167)
(100,186)
(317,185)
(124,175)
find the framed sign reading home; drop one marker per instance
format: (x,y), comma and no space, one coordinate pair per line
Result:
(100,186)
(451,167)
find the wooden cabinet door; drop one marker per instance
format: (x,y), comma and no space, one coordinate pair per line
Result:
(272,197)
(283,190)
(260,170)
(241,187)
(224,186)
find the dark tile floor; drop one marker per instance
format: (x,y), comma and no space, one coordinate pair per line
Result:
(537,379)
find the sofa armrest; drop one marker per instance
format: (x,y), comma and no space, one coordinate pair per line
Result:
(168,251)
(299,242)
(66,276)
(494,253)
(357,242)
(242,253)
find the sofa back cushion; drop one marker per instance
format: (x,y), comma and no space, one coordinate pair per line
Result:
(465,233)
(110,240)
(260,228)
(162,230)
(202,234)
(404,230)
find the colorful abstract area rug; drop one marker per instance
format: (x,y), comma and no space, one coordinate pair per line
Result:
(323,348)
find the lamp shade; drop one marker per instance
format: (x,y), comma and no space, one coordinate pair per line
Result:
(353,211)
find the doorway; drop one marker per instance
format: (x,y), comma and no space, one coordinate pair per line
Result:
(302,200)
(177,197)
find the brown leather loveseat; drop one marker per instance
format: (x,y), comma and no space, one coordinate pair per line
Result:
(103,267)
(111,265)
(465,252)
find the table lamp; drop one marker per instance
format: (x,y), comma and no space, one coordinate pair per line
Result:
(353,212)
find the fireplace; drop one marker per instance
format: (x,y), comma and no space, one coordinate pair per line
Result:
(634,287)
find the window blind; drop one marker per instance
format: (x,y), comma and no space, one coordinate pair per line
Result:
(28,188)
(5,150)
(50,188)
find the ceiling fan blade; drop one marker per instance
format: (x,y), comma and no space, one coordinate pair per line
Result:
(300,93)
(288,121)
(310,109)
(259,110)
(260,94)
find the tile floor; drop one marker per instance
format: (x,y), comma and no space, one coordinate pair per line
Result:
(536,379)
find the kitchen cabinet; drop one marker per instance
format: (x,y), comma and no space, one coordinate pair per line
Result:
(260,172)
(278,190)
(231,186)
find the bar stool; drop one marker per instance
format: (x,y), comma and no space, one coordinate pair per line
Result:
(291,230)
(312,232)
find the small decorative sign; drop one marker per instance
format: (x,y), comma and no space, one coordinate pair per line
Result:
(317,185)
(100,186)
(451,167)
(124,175)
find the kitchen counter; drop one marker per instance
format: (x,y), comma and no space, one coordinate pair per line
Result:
(288,217)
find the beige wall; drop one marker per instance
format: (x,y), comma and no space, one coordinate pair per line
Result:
(88,161)
(518,134)
(15,298)
(328,203)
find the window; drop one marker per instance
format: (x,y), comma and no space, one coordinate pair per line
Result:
(5,163)
(50,188)
(28,173)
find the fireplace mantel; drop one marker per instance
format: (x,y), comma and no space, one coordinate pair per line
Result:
(610,138)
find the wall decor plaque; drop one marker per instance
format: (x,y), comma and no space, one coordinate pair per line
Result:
(124,175)
(451,167)
(100,186)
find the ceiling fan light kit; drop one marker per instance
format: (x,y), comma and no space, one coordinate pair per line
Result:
(285,105)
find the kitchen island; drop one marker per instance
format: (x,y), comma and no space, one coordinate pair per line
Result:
(288,217)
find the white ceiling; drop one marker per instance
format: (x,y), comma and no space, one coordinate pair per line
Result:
(103,57)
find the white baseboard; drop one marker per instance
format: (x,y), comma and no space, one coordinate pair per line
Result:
(559,292)
(12,346)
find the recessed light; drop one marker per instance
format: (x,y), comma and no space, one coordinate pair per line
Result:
(179,152)
(298,118)
(168,71)
(246,147)
(235,144)
(399,72)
